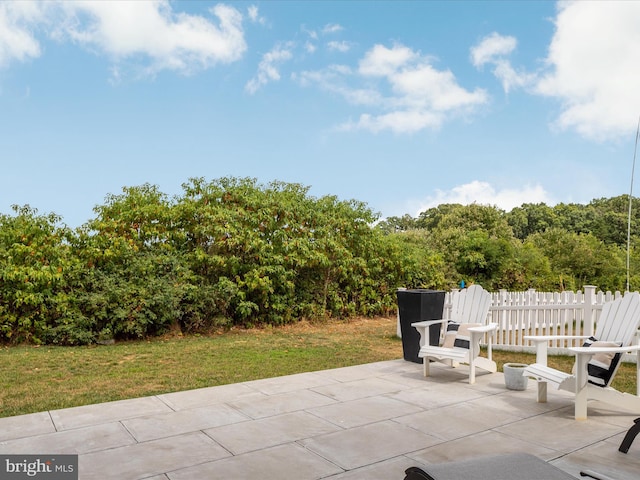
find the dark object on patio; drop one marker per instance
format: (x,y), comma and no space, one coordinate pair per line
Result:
(414,306)
(520,466)
(597,476)
(414,473)
(630,436)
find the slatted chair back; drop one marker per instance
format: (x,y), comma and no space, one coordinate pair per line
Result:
(619,320)
(471,305)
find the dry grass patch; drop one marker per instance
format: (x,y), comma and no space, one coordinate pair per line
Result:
(34,379)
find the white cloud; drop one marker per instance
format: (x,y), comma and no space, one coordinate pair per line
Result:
(254,15)
(595,68)
(17,40)
(309,45)
(484,194)
(130,29)
(331,79)
(326,78)
(493,49)
(362,96)
(397,122)
(421,97)
(400,87)
(331,28)
(424,87)
(339,46)
(311,33)
(268,67)
(145,33)
(511,78)
(382,61)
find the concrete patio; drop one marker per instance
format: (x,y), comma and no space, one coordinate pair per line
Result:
(365,422)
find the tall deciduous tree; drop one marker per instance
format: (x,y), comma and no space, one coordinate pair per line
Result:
(36,295)
(580,259)
(531,218)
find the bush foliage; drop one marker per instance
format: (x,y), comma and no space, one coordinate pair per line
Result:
(235,252)
(226,252)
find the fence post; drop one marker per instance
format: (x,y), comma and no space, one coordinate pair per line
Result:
(589,311)
(502,334)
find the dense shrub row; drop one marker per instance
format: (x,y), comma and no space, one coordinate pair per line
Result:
(225,252)
(235,252)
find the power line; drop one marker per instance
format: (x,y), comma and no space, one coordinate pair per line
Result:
(633,167)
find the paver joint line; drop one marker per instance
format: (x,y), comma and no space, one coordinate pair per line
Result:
(166,403)
(55,427)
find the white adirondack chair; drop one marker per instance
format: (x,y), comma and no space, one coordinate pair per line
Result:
(618,324)
(470,311)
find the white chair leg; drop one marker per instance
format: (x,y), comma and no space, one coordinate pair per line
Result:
(472,360)
(581,387)
(425,366)
(638,373)
(542,391)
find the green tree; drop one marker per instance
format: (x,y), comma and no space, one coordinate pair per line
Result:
(530,268)
(531,218)
(484,259)
(243,243)
(574,217)
(398,224)
(280,253)
(418,264)
(611,219)
(431,218)
(36,303)
(475,241)
(134,279)
(581,259)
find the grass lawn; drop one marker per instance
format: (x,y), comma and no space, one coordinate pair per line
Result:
(34,379)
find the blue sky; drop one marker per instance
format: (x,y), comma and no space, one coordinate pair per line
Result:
(401,105)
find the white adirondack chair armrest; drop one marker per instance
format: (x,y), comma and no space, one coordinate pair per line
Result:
(423,329)
(484,328)
(541,341)
(478,332)
(548,338)
(428,323)
(594,350)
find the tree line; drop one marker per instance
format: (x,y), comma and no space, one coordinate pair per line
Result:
(532,246)
(233,251)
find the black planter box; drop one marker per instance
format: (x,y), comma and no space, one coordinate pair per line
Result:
(416,305)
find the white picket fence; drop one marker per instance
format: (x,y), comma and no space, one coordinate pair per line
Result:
(542,313)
